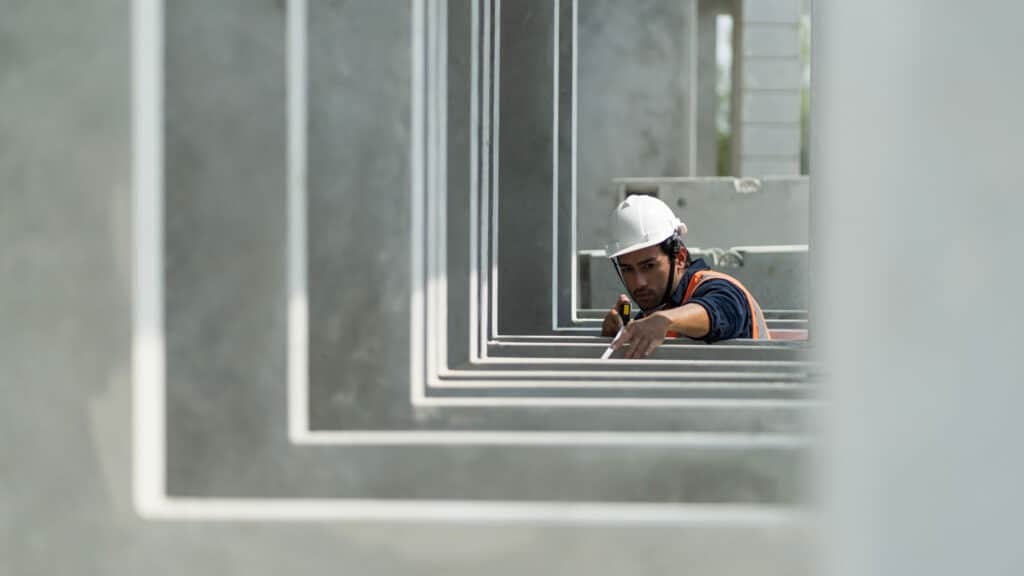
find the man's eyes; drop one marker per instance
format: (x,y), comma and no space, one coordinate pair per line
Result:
(645,267)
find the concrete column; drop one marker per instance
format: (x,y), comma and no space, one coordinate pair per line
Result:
(768,120)
(916,127)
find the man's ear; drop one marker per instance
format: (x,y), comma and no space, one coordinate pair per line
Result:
(681,257)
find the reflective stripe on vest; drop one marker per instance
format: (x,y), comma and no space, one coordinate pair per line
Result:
(758,326)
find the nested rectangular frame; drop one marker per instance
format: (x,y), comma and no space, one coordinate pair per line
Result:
(149,283)
(149,409)
(566,316)
(434,182)
(481,298)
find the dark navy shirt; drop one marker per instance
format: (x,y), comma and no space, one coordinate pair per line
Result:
(726,304)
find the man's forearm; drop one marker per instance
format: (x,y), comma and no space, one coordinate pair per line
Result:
(689,319)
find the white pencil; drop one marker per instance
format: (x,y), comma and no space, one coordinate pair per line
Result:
(608,352)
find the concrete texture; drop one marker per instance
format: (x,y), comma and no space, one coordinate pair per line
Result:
(770,74)
(634,97)
(767,83)
(524,173)
(776,41)
(779,281)
(458,107)
(772,107)
(917,140)
(774,12)
(224,234)
(358,207)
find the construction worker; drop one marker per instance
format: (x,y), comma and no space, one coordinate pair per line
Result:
(677,296)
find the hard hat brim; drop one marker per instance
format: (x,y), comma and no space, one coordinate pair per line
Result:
(634,248)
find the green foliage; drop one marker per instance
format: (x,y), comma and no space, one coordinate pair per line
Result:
(805,92)
(724,167)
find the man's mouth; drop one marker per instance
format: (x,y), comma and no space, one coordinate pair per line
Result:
(644,296)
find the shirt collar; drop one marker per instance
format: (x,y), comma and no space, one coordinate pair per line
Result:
(680,291)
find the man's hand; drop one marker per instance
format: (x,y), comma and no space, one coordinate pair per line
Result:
(643,335)
(612,320)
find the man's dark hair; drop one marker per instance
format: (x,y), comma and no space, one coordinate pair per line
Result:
(672,245)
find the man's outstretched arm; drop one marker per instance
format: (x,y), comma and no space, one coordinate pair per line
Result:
(691,320)
(646,334)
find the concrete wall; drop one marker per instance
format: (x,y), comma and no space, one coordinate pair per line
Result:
(634,100)
(524,179)
(358,203)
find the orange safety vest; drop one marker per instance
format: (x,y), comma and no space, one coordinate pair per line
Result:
(759,329)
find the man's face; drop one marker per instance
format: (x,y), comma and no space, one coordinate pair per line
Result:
(645,273)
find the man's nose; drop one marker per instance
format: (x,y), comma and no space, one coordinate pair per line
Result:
(641,280)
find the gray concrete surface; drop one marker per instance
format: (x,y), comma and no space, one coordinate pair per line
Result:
(634,99)
(917,141)
(524,173)
(767,134)
(359,192)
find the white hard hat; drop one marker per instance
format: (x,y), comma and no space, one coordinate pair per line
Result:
(641,221)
